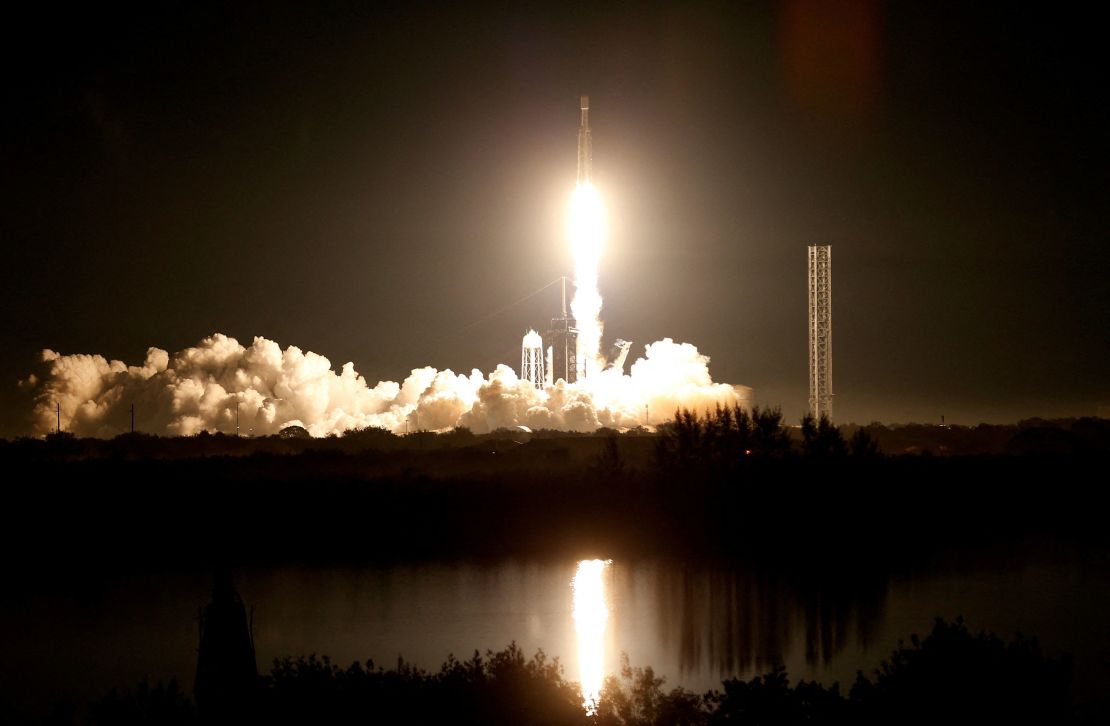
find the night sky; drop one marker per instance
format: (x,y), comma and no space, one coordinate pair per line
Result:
(373,184)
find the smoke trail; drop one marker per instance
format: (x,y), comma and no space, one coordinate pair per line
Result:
(202,388)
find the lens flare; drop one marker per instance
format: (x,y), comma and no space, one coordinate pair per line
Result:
(591,613)
(587,231)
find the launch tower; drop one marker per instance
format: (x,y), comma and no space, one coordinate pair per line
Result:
(820,331)
(561,342)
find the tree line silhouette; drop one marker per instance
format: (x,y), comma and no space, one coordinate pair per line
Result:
(719,432)
(951,674)
(725,438)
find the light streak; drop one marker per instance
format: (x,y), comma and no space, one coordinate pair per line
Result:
(591,614)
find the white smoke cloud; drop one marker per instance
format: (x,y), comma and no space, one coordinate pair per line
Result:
(199,389)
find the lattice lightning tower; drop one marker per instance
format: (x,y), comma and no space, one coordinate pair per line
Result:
(820,331)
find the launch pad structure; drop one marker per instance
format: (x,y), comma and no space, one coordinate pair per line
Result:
(820,331)
(561,344)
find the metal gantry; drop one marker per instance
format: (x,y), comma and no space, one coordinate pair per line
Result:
(820,331)
(561,344)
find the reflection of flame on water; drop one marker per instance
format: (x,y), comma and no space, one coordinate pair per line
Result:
(590,615)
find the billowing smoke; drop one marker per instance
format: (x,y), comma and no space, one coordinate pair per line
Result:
(204,387)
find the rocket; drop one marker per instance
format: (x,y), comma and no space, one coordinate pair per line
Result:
(585,145)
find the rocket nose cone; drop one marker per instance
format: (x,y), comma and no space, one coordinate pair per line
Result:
(585,103)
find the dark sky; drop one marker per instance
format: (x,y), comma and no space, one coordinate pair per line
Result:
(371,184)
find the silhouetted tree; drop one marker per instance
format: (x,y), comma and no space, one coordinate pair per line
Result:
(769,699)
(371,437)
(62,445)
(821,439)
(1093,434)
(636,698)
(723,439)
(980,677)
(610,463)
(769,436)
(458,437)
(862,445)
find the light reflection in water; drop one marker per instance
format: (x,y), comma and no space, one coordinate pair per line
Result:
(590,615)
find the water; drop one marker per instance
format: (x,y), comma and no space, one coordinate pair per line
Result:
(694,623)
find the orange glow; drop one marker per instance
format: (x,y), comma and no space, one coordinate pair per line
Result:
(591,613)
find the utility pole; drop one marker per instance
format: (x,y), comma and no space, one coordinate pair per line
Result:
(58,407)
(236,419)
(132,418)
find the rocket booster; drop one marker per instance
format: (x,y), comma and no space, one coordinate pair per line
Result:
(585,145)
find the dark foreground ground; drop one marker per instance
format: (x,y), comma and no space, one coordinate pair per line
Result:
(818,504)
(148,503)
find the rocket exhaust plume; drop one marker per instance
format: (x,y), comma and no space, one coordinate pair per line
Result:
(586,230)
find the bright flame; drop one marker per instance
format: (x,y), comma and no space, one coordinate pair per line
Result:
(590,616)
(587,230)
